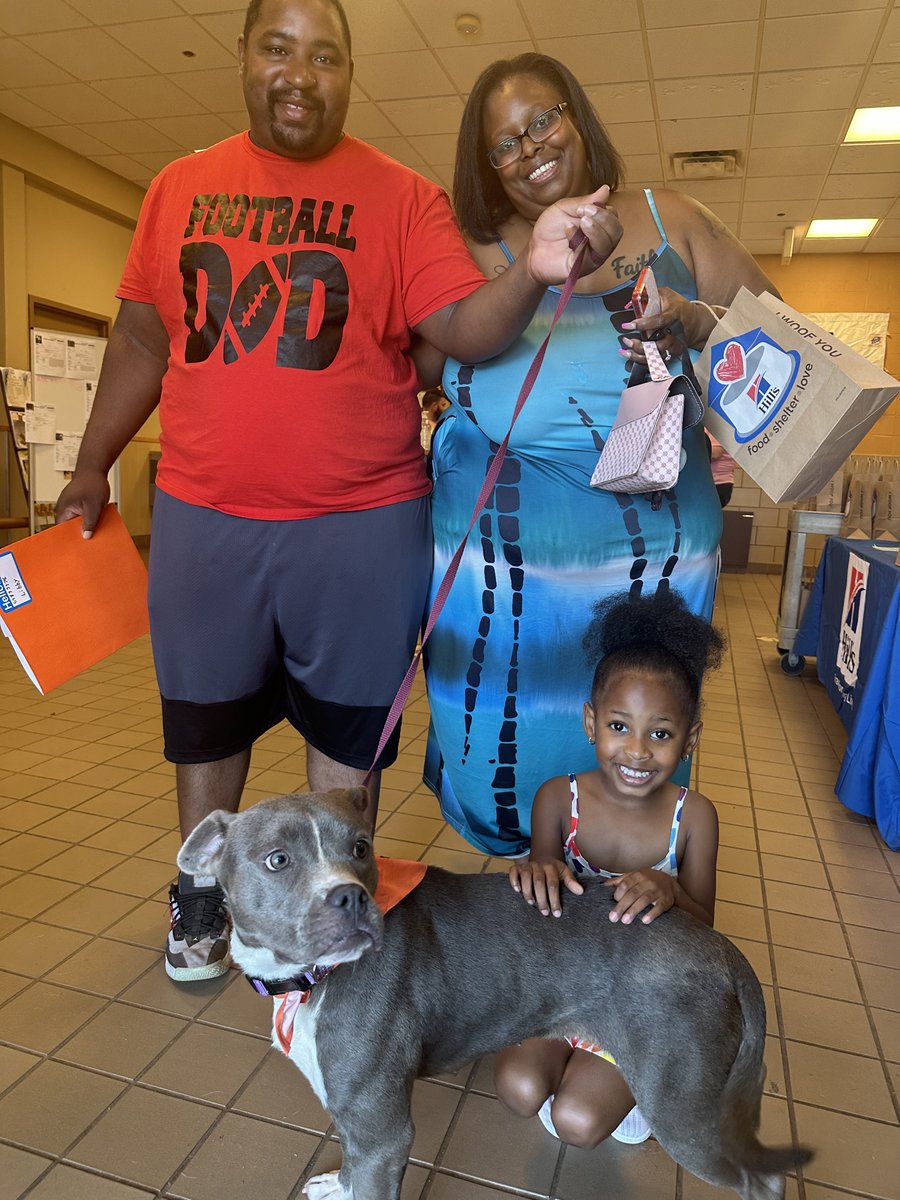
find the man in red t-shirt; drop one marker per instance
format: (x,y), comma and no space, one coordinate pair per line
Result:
(268,306)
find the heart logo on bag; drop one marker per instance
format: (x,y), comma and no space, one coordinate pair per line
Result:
(731,366)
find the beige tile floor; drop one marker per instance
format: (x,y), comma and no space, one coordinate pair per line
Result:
(116,1084)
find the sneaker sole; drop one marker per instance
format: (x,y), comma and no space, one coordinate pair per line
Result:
(192,974)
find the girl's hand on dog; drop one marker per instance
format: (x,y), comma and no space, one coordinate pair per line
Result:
(638,891)
(539,884)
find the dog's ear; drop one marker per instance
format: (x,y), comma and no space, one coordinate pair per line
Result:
(358,797)
(200,853)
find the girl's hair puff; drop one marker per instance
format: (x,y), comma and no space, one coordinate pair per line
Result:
(649,635)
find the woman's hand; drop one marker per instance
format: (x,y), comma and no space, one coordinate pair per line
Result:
(697,320)
(639,890)
(539,883)
(550,253)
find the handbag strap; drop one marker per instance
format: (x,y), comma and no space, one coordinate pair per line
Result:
(581,246)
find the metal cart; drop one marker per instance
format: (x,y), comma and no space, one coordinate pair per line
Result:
(795,588)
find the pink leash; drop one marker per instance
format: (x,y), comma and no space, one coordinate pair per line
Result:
(579,243)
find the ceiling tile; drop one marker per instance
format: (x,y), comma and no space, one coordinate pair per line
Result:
(156,162)
(877,245)
(218,91)
(401,76)
(164,44)
(810,128)
(826,40)
(795,8)
(638,137)
(366,120)
(130,137)
(763,245)
(888,228)
(767,229)
(226,28)
(782,187)
(599,58)
(724,95)
(789,160)
(867,159)
(196,132)
(17,108)
(854,207)
(146,95)
(784,212)
(400,149)
(122,165)
(463,64)
(706,133)
(114,12)
(436,147)
(629,100)
(441,115)
(215,6)
(501,21)
(591,15)
(709,49)
(663,14)
(881,87)
(236,121)
(382,26)
(880,185)
(76,139)
(639,167)
(17,17)
(725,210)
(75,103)
(889,46)
(87,53)
(804,91)
(22,67)
(709,191)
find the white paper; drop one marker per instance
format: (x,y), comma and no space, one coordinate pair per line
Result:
(90,390)
(40,423)
(82,358)
(65,450)
(50,354)
(18,386)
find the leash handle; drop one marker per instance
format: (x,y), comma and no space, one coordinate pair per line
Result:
(581,245)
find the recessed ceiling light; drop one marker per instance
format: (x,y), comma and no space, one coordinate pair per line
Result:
(850,227)
(874,125)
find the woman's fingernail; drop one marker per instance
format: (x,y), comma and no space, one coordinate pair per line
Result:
(629,325)
(624,353)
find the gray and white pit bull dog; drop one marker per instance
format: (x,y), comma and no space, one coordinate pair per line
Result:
(462,967)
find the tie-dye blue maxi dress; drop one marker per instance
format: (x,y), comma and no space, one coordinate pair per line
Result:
(505,668)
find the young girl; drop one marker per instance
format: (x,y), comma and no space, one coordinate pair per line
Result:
(650,841)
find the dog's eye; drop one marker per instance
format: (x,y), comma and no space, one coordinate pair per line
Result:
(361,849)
(277,860)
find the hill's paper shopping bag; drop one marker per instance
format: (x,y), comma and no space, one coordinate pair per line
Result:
(785,398)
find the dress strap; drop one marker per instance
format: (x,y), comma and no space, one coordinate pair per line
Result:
(648,192)
(673,833)
(506,250)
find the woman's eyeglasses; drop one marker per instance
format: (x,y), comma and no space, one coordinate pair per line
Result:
(541,127)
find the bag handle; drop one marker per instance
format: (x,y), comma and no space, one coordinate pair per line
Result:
(580,244)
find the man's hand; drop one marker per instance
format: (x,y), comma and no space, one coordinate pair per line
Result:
(640,890)
(538,883)
(550,254)
(87,495)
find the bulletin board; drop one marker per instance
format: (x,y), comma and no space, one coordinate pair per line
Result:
(65,368)
(16,388)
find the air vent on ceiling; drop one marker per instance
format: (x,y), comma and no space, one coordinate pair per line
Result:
(706,164)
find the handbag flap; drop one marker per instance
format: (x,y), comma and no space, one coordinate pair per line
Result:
(640,400)
(694,407)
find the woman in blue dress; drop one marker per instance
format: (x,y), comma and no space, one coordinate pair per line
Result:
(504,666)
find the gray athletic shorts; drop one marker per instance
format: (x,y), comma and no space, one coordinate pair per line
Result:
(315,621)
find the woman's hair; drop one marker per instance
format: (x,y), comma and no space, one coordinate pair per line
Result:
(478,196)
(655,634)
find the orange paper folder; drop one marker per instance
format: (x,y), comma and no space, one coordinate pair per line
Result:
(67,601)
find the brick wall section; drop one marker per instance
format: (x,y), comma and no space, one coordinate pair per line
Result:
(826,283)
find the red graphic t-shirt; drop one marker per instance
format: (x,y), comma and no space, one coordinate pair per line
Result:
(288,290)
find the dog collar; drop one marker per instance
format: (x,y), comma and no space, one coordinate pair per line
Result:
(304,982)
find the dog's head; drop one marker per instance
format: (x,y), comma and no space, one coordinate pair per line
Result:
(299,875)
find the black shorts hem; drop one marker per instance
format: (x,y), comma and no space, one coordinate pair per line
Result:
(332,728)
(199,733)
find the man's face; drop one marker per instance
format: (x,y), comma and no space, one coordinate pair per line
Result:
(296,72)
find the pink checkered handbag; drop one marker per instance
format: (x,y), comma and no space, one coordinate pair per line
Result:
(643,450)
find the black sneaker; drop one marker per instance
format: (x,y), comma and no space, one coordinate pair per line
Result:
(197,946)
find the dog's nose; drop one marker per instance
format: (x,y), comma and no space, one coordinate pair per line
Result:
(350,897)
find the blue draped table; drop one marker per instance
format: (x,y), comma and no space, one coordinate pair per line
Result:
(852,626)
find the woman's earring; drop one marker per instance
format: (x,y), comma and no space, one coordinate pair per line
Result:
(592,740)
(685,757)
